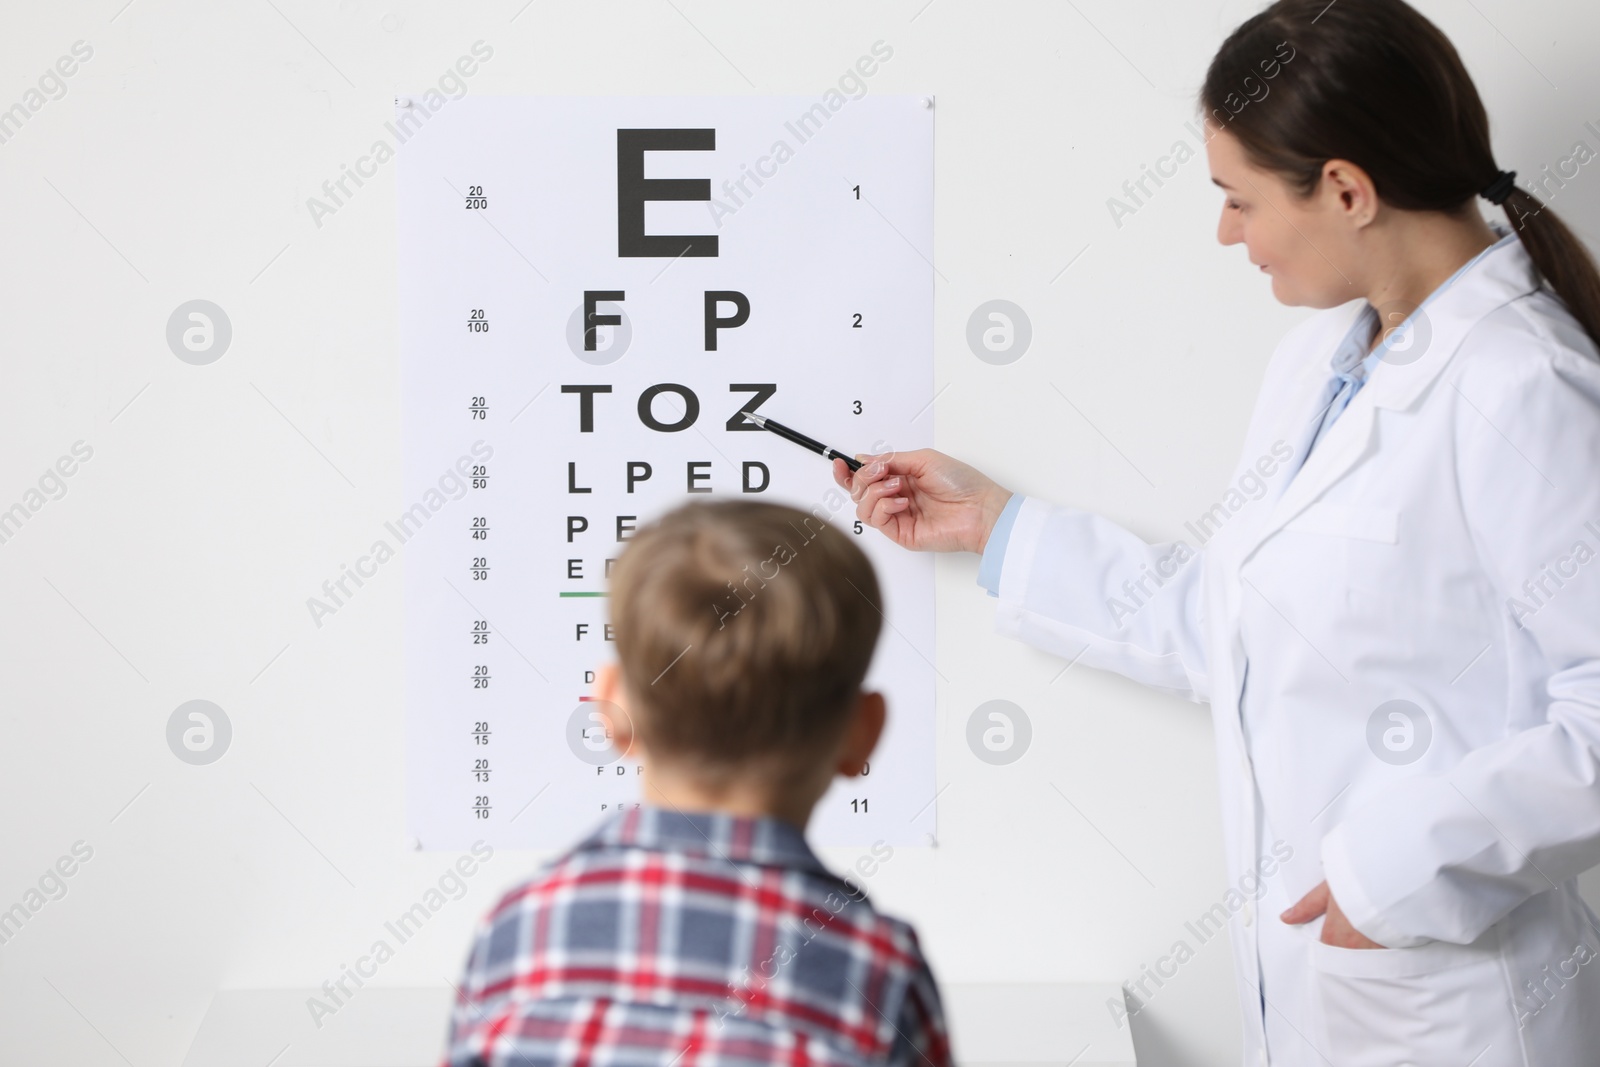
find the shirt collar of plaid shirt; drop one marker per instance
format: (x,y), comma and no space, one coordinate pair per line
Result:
(764,841)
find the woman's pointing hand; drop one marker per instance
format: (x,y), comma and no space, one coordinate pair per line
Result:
(924,500)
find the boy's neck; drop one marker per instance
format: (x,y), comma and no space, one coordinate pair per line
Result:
(747,795)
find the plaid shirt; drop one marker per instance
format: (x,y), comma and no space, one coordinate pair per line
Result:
(694,940)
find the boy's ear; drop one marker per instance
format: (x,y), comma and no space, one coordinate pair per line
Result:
(606,680)
(608,688)
(862,734)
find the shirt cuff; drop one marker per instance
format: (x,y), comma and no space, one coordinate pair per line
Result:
(994,552)
(1339,870)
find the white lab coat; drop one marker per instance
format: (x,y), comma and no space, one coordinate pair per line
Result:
(1438,547)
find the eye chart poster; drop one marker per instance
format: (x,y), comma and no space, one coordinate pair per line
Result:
(591,289)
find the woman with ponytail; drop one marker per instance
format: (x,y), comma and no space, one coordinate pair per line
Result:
(1399,637)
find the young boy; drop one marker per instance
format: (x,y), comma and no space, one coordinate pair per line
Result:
(699,928)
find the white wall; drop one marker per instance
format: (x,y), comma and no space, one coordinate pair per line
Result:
(177,165)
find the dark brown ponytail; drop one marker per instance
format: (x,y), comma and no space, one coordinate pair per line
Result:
(1374,82)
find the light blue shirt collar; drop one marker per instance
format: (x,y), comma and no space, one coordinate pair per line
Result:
(1352,352)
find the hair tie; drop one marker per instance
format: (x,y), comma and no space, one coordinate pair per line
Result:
(1497,191)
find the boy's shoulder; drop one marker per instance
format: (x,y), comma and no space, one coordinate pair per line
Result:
(710,860)
(696,917)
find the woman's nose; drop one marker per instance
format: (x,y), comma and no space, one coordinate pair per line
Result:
(1227,230)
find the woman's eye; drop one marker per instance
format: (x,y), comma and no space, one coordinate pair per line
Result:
(1235,205)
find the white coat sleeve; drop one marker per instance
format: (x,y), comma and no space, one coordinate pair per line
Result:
(1444,857)
(1084,588)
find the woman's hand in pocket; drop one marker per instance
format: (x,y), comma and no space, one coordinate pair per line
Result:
(1336,929)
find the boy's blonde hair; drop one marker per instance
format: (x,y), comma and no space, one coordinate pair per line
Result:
(744,630)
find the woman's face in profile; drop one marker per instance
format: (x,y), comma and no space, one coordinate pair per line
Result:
(1295,242)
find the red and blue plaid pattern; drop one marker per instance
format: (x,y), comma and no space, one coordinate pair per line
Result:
(673,939)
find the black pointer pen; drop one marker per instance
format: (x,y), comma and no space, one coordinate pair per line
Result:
(801,439)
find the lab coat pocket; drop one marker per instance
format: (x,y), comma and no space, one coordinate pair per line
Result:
(1438,1003)
(1358,546)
